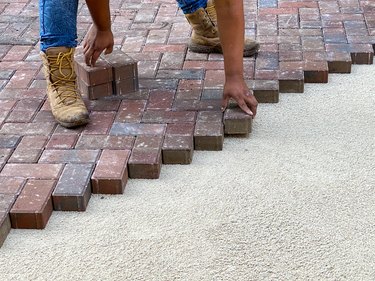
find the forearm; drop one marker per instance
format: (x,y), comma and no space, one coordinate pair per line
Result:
(230,16)
(100,13)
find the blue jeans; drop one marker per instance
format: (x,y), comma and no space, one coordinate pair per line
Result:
(58,23)
(190,6)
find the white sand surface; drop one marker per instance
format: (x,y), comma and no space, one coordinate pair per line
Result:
(294,201)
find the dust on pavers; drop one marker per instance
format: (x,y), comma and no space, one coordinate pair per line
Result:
(362,53)
(197,105)
(105,142)
(237,122)
(291,81)
(265,91)
(145,163)
(73,189)
(11,185)
(111,174)
(316,72)
(9,140)
(339,62)
(28,128)
(57,141)
(160,99)
(209,131)
(165,117)
(69,156)
(32,171)
(177,149)
(33,207)
(131,129)
(146,159)
(100,122)
(28,150)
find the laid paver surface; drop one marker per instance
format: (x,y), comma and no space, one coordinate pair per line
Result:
(177,108)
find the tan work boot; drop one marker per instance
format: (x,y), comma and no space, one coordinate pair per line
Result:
(205,36)
(66,103)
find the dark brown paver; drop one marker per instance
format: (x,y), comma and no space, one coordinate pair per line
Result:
(145,163)
(92,76)
(73,190)
(111,174)
(237,122)
(96,91)
(5,226)
(177,149)
(123,66)
(33,207)
(291,81)
(6,203)
(209,134)
(265,91)
(178,144)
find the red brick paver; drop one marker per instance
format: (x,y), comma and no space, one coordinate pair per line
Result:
(177,108)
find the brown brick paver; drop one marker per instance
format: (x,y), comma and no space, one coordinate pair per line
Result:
(178,105)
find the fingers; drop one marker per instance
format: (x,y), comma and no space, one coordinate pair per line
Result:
(108,50)
(251,102)
(224,103)
(243,105)
(95,57)
(88,55)
(91,56)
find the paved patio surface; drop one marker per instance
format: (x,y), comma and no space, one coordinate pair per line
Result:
(179,101)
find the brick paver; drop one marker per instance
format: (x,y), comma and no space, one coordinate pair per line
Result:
(176,109)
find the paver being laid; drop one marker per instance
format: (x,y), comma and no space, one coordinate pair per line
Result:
(113,74)
(134,131)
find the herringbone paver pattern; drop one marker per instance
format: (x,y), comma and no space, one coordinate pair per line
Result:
(177,108)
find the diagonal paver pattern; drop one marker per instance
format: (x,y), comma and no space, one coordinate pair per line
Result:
(44,166)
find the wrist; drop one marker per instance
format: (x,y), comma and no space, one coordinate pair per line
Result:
(103,28)
(236,77)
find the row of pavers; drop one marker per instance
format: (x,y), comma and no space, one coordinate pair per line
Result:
(42,173)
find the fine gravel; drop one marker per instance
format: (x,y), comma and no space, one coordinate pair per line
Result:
(294,201)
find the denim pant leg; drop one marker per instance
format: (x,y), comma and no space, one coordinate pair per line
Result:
(190,6)
(58,23)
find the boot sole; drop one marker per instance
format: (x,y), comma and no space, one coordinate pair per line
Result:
(75,124)
(195,48)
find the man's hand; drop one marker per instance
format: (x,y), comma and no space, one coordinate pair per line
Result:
(95,43)
(237,89)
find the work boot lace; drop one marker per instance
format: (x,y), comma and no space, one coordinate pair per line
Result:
(211,12)
(63,78)
(208,24)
